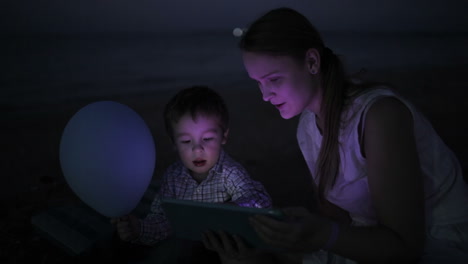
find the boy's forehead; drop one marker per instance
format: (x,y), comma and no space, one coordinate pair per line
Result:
(195,117)
(207,121)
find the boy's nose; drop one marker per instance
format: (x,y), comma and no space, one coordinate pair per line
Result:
(197,147)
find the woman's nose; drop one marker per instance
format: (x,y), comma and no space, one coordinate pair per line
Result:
(267,94)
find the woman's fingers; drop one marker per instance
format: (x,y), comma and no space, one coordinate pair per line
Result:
(298,232)
(244,251)
(230,249)
(207,241)
(241,247)
(212,242)
(282,234)
(270,227)
(271,224)
(268,234)
(270,238)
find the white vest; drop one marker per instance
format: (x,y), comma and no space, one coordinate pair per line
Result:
(446,194)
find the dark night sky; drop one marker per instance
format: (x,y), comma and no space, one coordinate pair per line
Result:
(83,16)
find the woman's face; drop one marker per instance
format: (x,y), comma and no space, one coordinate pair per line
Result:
(290,86)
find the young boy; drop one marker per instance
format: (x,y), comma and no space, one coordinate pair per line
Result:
(197,121)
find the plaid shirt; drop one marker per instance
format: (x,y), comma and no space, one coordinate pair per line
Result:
(227,181)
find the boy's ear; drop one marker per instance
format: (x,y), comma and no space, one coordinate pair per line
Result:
(225,136)
(173,144)
(174,147)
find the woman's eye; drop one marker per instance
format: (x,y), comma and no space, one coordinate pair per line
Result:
(274,80)
(259,84)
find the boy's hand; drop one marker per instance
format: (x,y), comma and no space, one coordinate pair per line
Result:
(128,227)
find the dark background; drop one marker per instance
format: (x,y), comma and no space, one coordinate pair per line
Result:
(57,56)
(190,16)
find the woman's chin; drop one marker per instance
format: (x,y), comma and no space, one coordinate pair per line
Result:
(286,115)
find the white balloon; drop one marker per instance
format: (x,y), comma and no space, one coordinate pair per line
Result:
(107,155)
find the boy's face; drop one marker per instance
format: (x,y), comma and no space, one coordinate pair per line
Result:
(199,143)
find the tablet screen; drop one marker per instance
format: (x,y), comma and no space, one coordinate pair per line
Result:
(189,219)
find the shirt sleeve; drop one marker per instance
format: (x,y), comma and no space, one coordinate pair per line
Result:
(245,191)
(155,226)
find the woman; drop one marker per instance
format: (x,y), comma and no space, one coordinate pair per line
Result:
(370,152)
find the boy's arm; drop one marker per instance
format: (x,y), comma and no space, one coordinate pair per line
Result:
(247,192)
(155,226)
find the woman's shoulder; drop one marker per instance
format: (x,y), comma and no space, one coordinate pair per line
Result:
(388,109)
(361,96)
(363,91)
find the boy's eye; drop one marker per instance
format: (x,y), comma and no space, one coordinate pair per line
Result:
(185,141)
(208,139)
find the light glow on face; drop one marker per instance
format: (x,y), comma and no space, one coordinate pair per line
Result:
(199,143)
(283,83)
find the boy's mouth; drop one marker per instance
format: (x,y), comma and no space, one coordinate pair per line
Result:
(199,163)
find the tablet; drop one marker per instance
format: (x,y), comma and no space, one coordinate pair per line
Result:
(189,219)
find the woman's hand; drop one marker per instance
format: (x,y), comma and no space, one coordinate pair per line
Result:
(231,248)
(128,227)
(301,231)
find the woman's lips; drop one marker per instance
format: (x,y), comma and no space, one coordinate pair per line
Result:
(199,163)
(279,106)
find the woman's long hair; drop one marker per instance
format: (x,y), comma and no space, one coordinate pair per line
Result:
(284,31)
